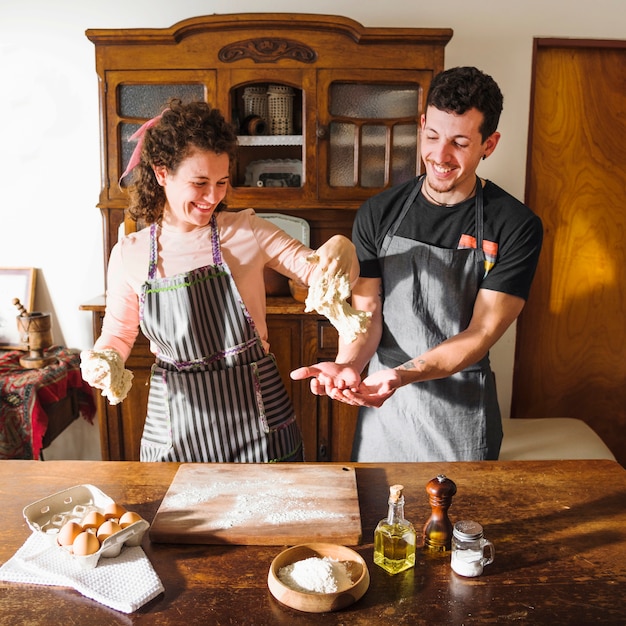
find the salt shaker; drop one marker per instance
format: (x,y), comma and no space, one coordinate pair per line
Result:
(438,528)
(468,549)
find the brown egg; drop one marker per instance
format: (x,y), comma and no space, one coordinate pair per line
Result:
(85,543)
(130,517)
(107,529)
(68,533)
(113,511)
(93,519)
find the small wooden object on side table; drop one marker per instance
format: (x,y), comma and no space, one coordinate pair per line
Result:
(37,327)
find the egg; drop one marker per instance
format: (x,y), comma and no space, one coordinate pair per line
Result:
(68,533)
(93,519)
(113,511)
(85,543)
(130,517)
(107,529)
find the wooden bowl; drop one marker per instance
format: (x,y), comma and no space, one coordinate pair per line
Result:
(299,291)
(313,602)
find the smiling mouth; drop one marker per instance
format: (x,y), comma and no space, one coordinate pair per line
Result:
(441,169)
(203,207)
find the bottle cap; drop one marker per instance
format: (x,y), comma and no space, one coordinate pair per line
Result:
(466,530)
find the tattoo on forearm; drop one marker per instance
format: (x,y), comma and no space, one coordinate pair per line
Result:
(410,365)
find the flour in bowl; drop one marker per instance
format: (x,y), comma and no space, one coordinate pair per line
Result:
(319,575)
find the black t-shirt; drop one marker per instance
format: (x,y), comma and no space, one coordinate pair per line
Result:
(512,233)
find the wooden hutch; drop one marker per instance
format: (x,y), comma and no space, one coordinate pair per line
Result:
(355,97)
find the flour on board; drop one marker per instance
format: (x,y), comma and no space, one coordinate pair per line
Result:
(278,503)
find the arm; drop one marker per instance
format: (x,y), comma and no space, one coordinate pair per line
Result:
(120,326)
(103,367)
(494,312)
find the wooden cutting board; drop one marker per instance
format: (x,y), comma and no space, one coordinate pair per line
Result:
(259,504)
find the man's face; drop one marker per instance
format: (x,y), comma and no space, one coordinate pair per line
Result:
(451,148)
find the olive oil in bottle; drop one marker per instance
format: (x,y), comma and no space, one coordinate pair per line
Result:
(394,537)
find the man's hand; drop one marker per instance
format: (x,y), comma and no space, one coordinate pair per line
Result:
(374,390)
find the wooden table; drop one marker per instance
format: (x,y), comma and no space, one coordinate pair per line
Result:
(559,528)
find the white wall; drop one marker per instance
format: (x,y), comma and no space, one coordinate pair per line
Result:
(49,157)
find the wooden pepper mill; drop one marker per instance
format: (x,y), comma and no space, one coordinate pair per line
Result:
(438,528)
(37,327)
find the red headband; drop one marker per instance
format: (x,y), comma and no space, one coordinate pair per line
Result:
(135,157)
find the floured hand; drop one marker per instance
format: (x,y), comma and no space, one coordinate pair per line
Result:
(104,370)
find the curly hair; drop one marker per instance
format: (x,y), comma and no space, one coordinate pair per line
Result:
(460,89)
(181,129)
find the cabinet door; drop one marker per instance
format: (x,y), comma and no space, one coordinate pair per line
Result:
(274,113)
(336,420)
(131,98)
(368,126)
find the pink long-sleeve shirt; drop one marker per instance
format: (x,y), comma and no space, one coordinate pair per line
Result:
(248,243)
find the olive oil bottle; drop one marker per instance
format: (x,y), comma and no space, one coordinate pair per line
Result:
(394,537)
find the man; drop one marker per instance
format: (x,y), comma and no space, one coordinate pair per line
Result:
(447,261)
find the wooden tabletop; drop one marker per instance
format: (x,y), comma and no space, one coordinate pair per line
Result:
(559,529)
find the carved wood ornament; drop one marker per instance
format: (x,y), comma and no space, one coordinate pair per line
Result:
(267,50)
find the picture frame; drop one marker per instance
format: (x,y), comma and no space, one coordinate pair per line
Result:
(15,282)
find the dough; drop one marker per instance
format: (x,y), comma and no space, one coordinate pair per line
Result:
(328,296)
(105,370)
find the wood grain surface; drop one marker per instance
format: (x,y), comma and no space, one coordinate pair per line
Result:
(259,504)
(571,342)
(559,529)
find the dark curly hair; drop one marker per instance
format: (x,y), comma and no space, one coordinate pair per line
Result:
(181,129)
(460,89)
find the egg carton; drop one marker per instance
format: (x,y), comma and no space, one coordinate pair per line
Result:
(48,515)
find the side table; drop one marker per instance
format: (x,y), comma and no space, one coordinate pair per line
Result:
(36,405)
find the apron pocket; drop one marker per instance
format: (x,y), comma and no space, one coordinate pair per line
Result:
(275,408)
(157,430)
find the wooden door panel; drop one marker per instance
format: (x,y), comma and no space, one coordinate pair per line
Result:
(571,337)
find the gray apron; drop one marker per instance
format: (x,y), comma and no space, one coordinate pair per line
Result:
(429,295)
(215,395)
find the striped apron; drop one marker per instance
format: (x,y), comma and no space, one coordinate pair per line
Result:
(429,295)
(215,395)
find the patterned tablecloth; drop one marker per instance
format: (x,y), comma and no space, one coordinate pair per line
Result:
(24,394)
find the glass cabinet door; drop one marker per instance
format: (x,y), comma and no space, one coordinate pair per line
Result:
(368,131)
(132,98)
(269,109)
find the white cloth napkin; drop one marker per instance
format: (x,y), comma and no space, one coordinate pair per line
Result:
(124,583)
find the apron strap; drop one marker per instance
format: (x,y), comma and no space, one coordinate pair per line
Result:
(479,215)
(405,209)
(215,242)
(152,265)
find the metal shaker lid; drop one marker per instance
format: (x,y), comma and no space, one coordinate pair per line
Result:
(466,530)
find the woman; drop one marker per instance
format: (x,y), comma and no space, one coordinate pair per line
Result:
(193,281)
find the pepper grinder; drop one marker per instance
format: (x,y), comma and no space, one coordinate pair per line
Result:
(438,528)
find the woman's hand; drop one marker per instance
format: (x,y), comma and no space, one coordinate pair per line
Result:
(328,378)
(337,256)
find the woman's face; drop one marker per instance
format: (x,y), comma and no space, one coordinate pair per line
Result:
(194,190)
